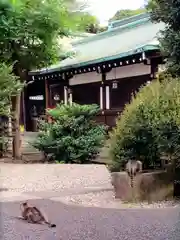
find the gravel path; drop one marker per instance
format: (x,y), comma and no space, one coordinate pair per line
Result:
(80,200)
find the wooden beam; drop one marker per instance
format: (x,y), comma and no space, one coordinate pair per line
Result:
(46,94)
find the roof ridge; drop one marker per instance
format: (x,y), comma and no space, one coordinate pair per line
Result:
(112,31)
(82,34)
(127,20)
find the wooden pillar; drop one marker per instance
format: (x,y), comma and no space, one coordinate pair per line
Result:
(22,119)
(154,68)
(65,95)
(46,94)
(47,101)
(107,97)
(101,97)
(103,92)
(70,96)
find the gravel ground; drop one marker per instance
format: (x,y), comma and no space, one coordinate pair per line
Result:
(82,223)
(80,200)
(42,177)
(106,199)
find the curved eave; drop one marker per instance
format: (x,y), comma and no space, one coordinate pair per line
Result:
(145,48)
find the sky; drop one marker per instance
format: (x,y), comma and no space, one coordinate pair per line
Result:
(105,9)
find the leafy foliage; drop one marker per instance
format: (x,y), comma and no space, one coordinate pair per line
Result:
(30,31)
(125,13)
(9,86)
(24,27)
(149,128)
(3,145)
(169,13)
(89,23)
(73,136)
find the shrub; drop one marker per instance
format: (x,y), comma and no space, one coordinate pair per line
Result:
(9,86)
(149,127)
(73,136)
(4,136)
(3,145)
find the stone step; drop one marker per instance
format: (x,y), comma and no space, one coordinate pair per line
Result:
(26,158)
(27,138)
(33,157)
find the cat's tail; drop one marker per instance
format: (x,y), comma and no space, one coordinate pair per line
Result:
(51,225)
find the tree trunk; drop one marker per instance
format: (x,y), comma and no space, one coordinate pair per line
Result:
(16,144)
(177,180)
(16,105)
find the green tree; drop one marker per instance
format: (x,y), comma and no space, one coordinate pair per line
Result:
(125,13)
(9,86)
(29,34)
(169,13)
(89,23)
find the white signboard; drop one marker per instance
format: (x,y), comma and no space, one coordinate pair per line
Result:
(38,97)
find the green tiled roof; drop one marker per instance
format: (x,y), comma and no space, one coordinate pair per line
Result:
(119,42)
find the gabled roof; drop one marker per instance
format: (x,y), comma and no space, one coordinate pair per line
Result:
(122,41)
(66,43)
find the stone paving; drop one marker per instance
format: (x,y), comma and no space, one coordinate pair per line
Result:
(97,216)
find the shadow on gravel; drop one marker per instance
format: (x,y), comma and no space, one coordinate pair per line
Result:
(90,223)
(4,189)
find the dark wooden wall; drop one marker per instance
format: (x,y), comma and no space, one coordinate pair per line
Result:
(55,87)
(54,91)
(126,87)
(119,97)
(86,93)
(34,89)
